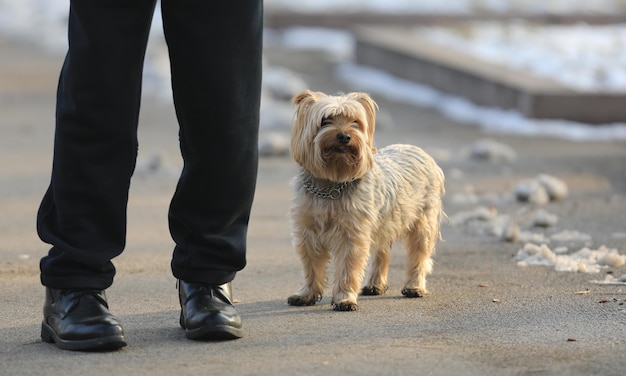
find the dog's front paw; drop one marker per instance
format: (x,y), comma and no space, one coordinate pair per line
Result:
(414,292)
(299,300)
(345,306)
(373,290)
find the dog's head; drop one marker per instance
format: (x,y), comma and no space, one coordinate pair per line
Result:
(333,136)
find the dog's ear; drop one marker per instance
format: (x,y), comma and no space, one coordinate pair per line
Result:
(305,97)
(300,131)
(370,110)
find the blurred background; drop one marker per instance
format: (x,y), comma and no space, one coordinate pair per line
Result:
(578,45)
(575,43)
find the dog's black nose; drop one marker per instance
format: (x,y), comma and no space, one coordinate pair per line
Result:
(343,138)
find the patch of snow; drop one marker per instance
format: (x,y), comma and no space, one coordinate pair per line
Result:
(481,213)
(584,260)
(611,280)
(555,187)
(585,57)
(532,192)
(541,189)
(491,150)
(571,236)
(490,119)
(542,218)
(448,6)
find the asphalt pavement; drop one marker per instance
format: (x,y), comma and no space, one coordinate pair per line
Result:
(485,314)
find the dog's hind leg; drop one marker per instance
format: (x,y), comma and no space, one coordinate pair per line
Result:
(376,280)
(314,263)
(420,245)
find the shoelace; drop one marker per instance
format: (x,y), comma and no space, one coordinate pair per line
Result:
(77,294)
(212,291)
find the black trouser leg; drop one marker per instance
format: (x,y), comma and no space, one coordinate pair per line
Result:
(83,213)
(215,53)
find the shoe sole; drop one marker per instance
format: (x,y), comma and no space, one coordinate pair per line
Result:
(110,343)
(216,333)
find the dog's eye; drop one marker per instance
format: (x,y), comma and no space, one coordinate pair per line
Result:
(326,122)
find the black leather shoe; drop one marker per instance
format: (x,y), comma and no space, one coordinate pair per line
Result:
(80,320)
(207,312)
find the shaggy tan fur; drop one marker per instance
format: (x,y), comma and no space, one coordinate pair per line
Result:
(351,201)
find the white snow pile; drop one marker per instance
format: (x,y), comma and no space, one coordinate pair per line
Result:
(585,57)
(542,218)
(448,6)
(537,191)
(480,213)
(491,150)
(541,190)
(469,196)
(486,221)
(490,119)
(533,227)
(521,227)
(537,219)
(584,260)
(513,234)
(611,280)
(569,236)
(565,237)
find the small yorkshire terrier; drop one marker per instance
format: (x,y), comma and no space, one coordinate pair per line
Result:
(352,200)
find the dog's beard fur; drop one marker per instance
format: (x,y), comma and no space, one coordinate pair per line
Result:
(392,194)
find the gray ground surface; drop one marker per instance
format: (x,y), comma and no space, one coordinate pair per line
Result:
(458,329)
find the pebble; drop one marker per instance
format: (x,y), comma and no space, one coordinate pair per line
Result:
(542,218)
(491,150)
(541,190)
(555,188)
(532,192)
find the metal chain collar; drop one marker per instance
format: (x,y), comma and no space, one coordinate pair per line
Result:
(332,192)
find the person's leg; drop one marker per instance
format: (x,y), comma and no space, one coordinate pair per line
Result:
(215,53)
(83,213)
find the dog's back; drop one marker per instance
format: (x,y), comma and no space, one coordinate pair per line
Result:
(406,186)
(410,163)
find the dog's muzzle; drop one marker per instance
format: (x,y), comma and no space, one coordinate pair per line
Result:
(343,138)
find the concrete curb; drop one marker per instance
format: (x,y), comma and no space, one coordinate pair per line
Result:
(277,19)
(404,55)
